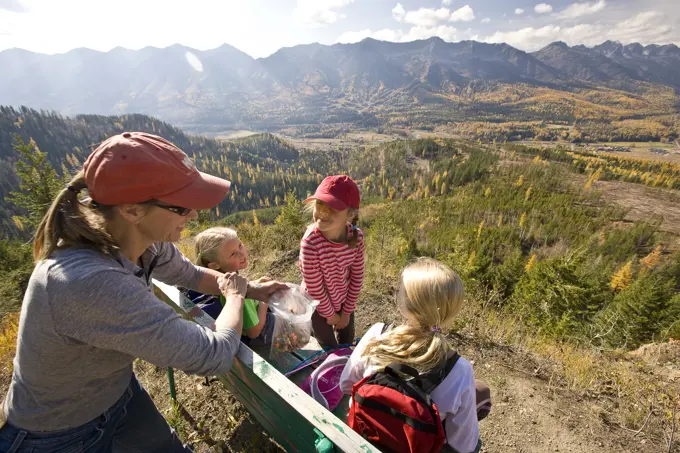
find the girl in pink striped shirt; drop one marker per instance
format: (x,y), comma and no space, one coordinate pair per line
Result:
(332,259)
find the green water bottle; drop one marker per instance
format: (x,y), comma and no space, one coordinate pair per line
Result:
(322,444)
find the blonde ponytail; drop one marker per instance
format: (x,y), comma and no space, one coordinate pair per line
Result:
(430,296)
(70,222)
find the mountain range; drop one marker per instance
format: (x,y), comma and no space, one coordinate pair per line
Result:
(315,83)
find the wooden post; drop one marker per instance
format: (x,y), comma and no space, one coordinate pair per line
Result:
(171,382)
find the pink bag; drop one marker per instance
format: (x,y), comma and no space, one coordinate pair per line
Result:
(324,383)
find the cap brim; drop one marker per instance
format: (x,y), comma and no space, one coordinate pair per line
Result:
(204,192)
(330,200)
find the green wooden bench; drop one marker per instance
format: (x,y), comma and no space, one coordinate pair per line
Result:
(290,416)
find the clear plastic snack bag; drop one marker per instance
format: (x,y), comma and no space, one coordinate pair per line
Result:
(293,309)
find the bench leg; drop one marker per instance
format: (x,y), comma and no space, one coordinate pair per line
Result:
(171,383)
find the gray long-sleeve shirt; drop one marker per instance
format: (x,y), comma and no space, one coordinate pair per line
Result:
(85,318)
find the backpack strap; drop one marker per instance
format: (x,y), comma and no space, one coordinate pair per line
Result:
(431,379)
(403,369)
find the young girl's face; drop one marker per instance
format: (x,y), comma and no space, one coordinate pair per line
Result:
(232,256)
(329,219)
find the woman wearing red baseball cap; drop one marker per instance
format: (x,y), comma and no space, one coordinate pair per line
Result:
(89,309)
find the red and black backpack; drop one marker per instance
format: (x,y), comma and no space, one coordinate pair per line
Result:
(398,415)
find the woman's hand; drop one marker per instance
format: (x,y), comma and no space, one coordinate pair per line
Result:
(343,322)
(232,284)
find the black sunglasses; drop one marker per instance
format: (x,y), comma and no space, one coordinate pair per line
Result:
(176,209)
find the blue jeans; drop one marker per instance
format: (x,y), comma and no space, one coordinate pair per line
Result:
(133,424)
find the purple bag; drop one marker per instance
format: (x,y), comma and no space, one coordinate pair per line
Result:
(324,383)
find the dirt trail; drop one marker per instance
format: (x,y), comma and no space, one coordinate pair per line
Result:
(531,417)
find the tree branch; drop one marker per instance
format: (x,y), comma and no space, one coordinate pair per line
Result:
(641,428)
(670,442)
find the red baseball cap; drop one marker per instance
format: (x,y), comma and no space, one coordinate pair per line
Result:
(134,167)
(339,192)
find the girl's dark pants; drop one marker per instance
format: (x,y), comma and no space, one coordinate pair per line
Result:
(326,335)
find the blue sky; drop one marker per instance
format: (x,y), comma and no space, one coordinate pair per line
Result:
(260,27)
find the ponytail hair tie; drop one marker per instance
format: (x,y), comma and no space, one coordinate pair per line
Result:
(73,189)
(436,329)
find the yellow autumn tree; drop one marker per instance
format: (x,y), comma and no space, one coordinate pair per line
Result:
(650,261)
(527,195)
(256,221)
(479,229)
(530,264)
(520,181)
(622,277)
(472,259)
(522,219)
(18,222)
(594,177)
(487,192)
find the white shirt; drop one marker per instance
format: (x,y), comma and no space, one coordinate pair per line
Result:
(455,397)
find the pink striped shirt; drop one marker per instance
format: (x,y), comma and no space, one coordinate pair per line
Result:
(332,272)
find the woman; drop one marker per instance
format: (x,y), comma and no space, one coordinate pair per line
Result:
(89,309)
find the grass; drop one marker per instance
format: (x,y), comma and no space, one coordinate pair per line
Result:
(9,329)
(614,387)
(174,418)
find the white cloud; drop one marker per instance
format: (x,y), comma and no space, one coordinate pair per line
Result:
(69,24)
(464,14)
(543,8)
(443,31)
(446,2)
(646,28)
(318,13)
(426,17)
(382,35)
(582,9)
(398,12)
(519,11)
(486,20)
(14,6)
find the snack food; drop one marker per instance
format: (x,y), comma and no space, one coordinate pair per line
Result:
(293,309)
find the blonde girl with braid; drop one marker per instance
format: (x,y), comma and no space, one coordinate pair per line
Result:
(430,297)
